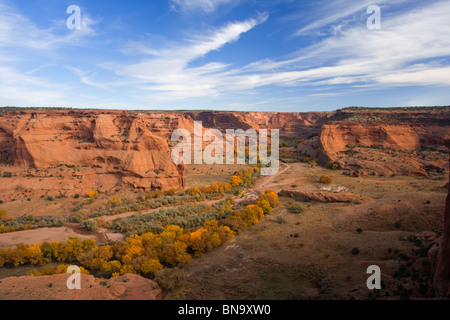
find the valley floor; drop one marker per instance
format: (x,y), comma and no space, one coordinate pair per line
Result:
(306,255)
(309,255)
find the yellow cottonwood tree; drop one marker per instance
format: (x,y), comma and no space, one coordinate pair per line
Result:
(150,267)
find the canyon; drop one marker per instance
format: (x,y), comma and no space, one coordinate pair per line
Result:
(388,168)
(48,151)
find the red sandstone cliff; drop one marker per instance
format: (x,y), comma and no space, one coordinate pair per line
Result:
(121,147)
(386,142)
(133,148)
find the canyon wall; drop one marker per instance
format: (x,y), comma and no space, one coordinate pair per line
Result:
(119,148)
(382,142)
(108,149)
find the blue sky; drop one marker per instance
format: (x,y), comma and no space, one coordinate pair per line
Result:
(245,55)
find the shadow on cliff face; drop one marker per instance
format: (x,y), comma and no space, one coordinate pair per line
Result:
(442,274)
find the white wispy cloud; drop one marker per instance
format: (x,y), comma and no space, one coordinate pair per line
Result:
(86,77)
(205,6)
(21,89)
(20,41)
(412,48)
(329,12)
(356,55)
(352,56)
(168,70)
(17,30)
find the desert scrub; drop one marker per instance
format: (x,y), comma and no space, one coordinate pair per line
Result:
(170,279)
(154,199)
(26,223)
(332,165)
(281,220)
(144,202)
(89,225)
(296,207)
(186,216)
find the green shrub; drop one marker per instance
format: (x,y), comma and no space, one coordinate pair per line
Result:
(355,251)
(89,225)
(333,165)
(77,218)
(281,220)
(296,207)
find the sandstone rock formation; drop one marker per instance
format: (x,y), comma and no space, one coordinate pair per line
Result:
(386,142)
(126,287)
(122,148)
(110,149)
(442,274)
(322,196)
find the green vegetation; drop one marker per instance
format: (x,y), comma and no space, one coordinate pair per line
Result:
(281,220)
(296,207)
(146,254)
(186,217)
(290,157)
(332,165)
(29,223)
(89,225)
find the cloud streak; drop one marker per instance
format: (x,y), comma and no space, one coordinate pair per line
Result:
(204,6)
(353,56)
(169,70)
(411,49)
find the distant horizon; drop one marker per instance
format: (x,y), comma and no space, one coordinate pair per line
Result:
(237,55)
(224,110)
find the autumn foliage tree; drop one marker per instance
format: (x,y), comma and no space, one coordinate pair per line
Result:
(270,196)
(148,253)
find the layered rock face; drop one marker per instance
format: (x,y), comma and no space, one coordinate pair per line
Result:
(442,274)
(109,149)
(120,147)
(124,148)
(291,125)
(406,142)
